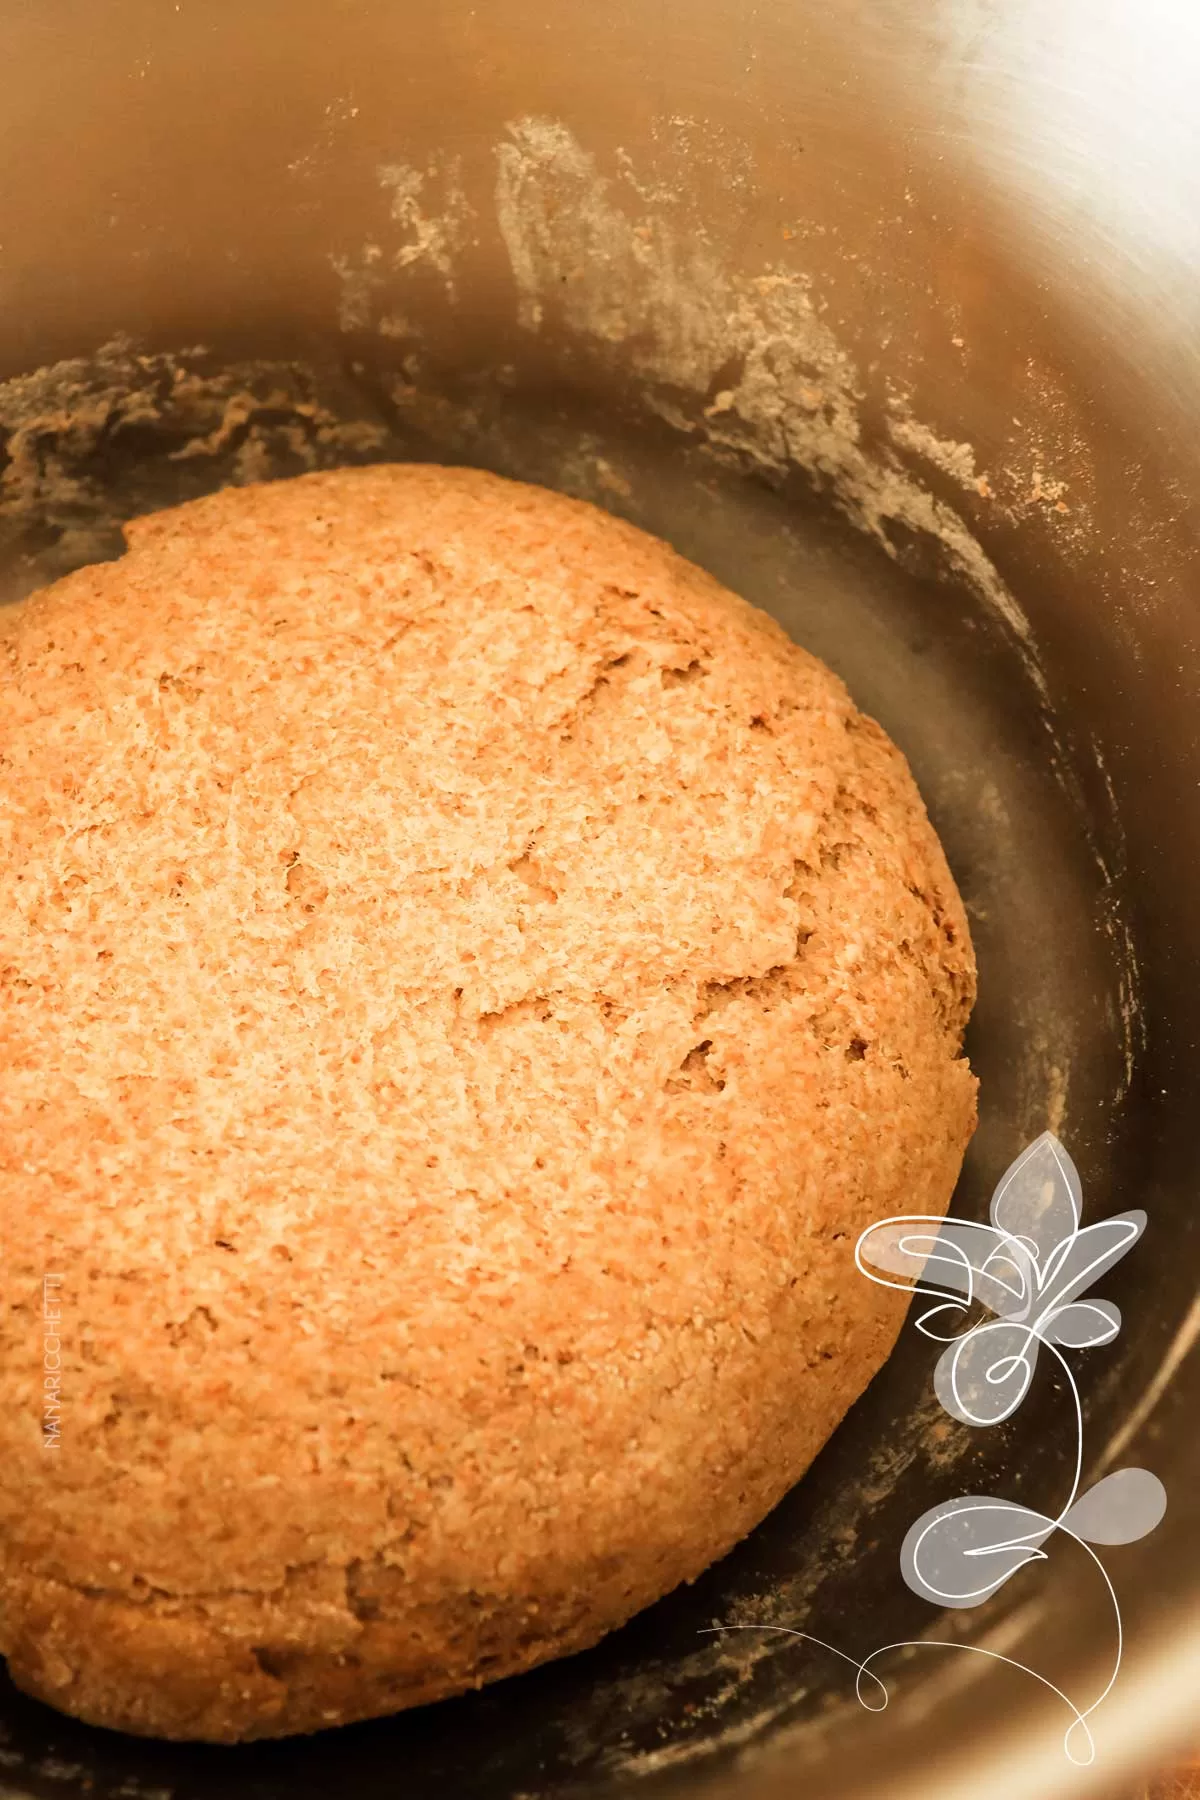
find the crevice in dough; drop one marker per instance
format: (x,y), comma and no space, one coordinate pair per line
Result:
(535,1007)
(695,671)
(535,875)
(781,982)
(148,1591)
(694,1075)
(592,695)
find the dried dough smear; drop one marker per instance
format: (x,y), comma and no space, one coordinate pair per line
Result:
(466,979)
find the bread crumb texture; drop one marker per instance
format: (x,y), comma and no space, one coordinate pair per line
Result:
(466,979)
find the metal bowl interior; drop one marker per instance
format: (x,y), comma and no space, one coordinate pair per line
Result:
(844,310)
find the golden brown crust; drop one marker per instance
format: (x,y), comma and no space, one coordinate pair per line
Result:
(465,981)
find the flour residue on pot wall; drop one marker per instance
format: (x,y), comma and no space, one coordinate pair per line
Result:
(953,458)
(776,389)
(429,224)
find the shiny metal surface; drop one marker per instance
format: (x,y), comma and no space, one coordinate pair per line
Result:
(888,313)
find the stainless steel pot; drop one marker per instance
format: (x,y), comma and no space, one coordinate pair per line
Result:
(890,314)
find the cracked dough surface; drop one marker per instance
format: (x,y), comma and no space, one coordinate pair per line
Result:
(466,979)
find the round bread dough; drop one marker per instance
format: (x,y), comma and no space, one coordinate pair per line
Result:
(466,980)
